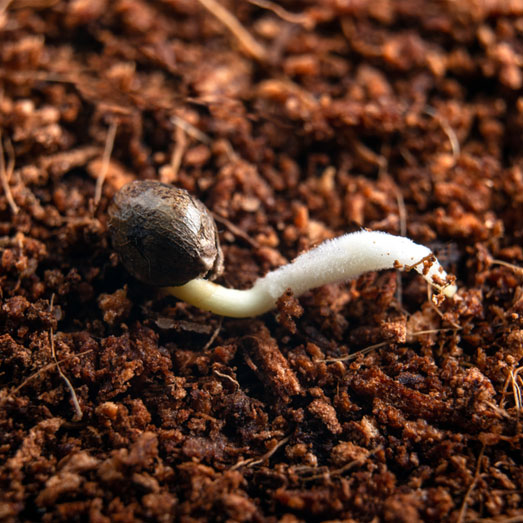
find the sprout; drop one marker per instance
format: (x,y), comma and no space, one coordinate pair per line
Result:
(142,216)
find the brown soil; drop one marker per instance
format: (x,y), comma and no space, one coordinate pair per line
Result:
(362,401)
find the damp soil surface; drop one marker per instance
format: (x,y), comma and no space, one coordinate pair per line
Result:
(293,122)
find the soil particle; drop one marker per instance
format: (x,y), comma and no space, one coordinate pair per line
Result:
(262,354)
(288,308)
(326,412)
(116,307)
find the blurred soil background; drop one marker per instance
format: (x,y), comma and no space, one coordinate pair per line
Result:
(293,122)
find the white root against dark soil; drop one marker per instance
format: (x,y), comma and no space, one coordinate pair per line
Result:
(336,260)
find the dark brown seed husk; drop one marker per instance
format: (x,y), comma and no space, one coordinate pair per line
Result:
(163,235)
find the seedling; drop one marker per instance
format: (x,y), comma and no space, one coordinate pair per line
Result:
(166,237)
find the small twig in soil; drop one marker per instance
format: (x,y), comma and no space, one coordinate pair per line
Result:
(338,472)
(381,344)
(44,368)
(214,334)
(79,414)
(253,462)
(447,129)
(293,18)
(513,378)
(515,268)
(180,147)
(516,389)
(498,410)
(5,175)
(357,353)
(463,510)
(235,230)
(227,377)
(108,149)
(191,130)
(429,331)
(370,156)
(247,41)
(402,213)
